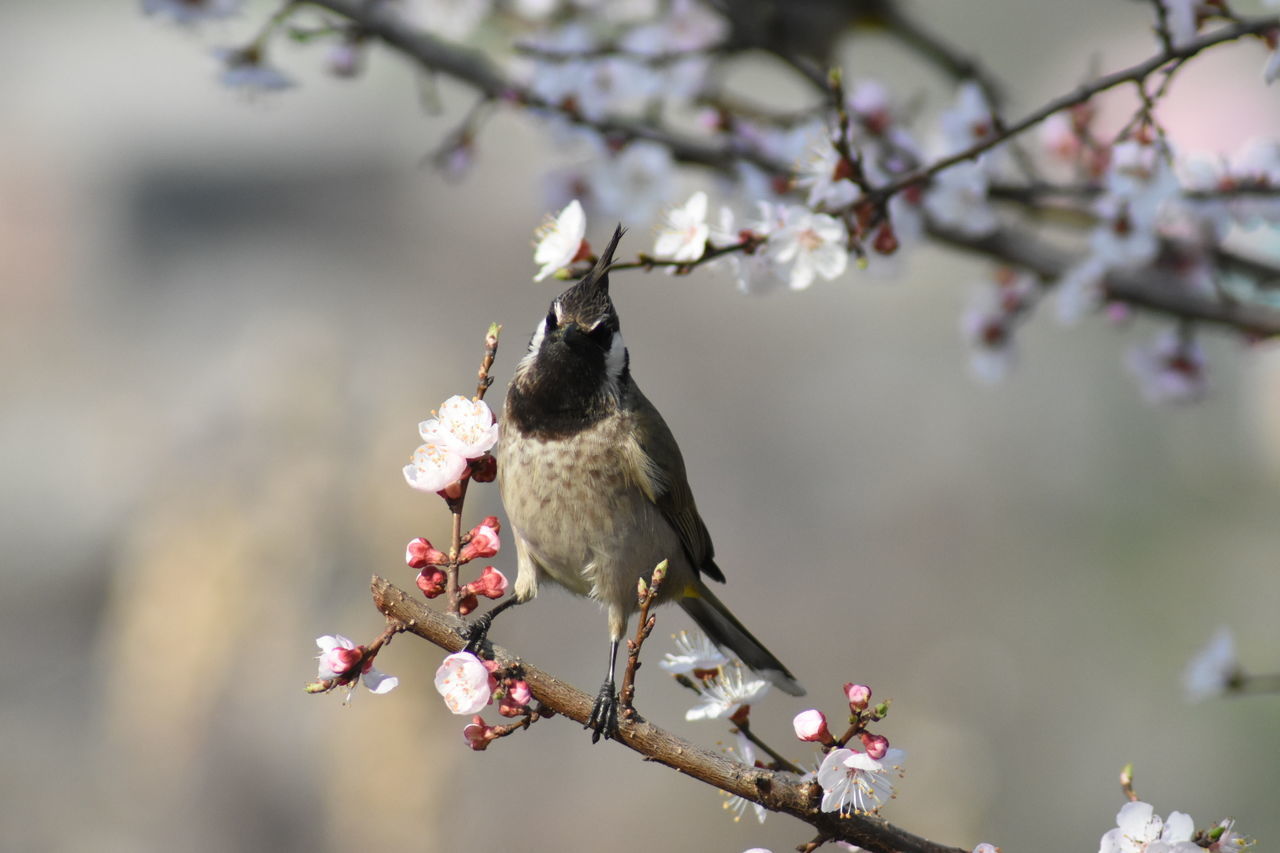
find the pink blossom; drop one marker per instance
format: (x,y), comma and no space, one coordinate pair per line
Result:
(435,467)
(517,699)
(462,425)
(463,681)
(811,726)
(859,696)
(560,240)
(477,734)
(338,659)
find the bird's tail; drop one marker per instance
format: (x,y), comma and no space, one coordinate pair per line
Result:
(727,632)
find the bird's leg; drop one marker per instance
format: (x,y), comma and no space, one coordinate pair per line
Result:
(604,714)
(478,631)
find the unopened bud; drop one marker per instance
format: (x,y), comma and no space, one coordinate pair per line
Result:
(483,541)
(467,603)
(875,745)
(811,726)
(859,695)
(431,581)
(420,552)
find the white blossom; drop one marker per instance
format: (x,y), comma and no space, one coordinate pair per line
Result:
(683,234)
(559,240)
(855,783)
(694,652)
(723,695)
(814,245)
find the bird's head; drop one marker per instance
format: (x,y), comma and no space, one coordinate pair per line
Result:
(577,363)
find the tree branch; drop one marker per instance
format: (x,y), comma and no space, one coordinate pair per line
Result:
(777,791)
(1133,74)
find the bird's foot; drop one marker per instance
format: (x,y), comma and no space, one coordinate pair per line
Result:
(477,633)
(604,714)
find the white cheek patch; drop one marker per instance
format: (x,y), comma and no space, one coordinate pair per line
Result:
(534,345)
(616,360)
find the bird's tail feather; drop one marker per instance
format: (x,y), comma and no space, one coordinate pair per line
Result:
(727,632)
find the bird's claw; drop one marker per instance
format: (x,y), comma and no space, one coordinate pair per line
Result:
(477,633)
(603,721)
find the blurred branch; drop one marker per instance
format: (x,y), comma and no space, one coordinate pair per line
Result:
(474,68)
(1134,74)
(1141,288)
(777,791)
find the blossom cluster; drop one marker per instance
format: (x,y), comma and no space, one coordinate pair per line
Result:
(857,181)
(469,684)
(342,663)
(1140,830)
(480,543)
(853,781)
(456,444)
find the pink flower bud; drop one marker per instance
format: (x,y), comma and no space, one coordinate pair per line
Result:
(431,581)
(859,696)
(516,702)
(420,553)
(491,584)
(876,745)
(811,726)
(483,542)
(477,734)
(467,603)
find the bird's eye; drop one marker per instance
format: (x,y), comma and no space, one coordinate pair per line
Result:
(600,332)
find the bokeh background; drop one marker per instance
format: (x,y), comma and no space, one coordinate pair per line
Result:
(222,320)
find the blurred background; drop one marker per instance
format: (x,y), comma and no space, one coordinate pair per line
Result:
(222,320)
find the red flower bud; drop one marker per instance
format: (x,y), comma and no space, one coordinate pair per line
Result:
(431,581)
(419,553)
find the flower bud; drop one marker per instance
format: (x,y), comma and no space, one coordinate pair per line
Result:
(875,745)
(431,581)
(811,726)
(483,542)
(420,552)
(491,584)
(859,696)
(467,603)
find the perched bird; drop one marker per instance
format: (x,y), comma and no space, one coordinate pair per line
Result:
(595,487)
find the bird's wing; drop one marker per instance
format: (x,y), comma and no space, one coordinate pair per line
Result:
(653,460)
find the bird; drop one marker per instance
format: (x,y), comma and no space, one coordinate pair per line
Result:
(595,487)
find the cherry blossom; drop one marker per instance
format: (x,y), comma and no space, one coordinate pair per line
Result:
(464,425)
(859,696)
(560,240)
(814,245)
(738,805)
(957,199)
(463,681)
(483,542)
(1140,830)
(694,653)
(339,655)
(855,783)
(723,695)
(436,465)
(1170,369)
(683,235)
